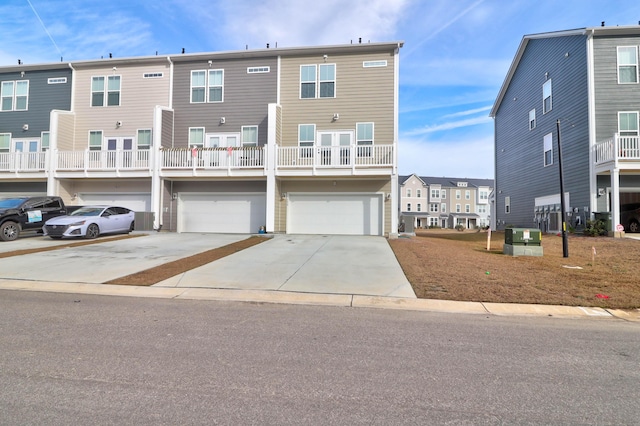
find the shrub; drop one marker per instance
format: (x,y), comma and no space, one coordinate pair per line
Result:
(460,227)
(595,228)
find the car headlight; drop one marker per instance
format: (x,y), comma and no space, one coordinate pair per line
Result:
(80,223)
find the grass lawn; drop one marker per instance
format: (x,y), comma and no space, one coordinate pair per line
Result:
(446,264)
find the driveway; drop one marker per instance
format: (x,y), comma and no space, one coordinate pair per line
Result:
(293,263)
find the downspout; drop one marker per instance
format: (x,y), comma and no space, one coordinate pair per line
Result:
(591,117)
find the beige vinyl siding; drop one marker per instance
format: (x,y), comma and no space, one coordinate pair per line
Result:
(138,97)
(327,186)
(66,124)
(362,95)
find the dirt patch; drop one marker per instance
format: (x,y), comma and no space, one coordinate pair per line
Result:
(159,273)
(451,265)
(69,245)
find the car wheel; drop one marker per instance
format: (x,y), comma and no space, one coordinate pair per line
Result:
(634,226)
(131,227)
(9,231)
(92,231)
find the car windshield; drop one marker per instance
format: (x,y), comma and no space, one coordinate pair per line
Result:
(11,203)
(87,211)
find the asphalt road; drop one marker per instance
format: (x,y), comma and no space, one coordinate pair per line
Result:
(84,359)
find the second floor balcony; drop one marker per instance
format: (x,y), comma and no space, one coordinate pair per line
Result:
(24,163)
(618,151)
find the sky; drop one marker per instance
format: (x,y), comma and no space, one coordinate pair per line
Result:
(455,57)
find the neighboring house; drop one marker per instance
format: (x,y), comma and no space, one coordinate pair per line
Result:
(445,202)
(584,82)
(290,140)
(28,94)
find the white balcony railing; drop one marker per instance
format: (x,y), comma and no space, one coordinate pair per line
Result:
(213,158)
(113,160)
(23,161)
(354,156)
(618,148)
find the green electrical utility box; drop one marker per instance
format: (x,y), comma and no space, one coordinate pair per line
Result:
(522,242)
(522,236)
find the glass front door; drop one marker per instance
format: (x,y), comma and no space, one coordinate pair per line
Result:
(335,148)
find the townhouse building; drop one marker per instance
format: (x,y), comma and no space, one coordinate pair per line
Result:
(444,202)
(286,140)
(572,97)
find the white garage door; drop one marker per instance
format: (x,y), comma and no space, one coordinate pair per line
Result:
(343,214)
(221,213)
(139,202)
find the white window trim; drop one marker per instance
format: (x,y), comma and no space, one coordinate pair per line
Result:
(258,70)
(318,81)
(532,119)
(618,64)
(547,146)
(209,86)
(193,144)
(242,142)
(544,109)
(374,64)
(507,204)
(153,75)
(105,91)
(14,95)
(96,147)
(637,114)
(57,80)
(458,208)
(137,144)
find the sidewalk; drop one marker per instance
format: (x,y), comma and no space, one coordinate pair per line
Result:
(344,300)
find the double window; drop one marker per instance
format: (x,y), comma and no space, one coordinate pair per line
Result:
(433,207)
(207,86)
(627,64)
(14,95)
(318,81)
(105,91)
(548,149)
(547,103)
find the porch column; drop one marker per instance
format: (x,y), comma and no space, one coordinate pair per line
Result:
(394,203)
(270,167)
(154,164)
(615,198)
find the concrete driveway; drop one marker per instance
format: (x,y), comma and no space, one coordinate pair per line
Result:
(301,263)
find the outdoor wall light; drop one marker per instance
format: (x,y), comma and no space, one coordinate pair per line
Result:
(174,196)
(284,195)
(336,117)
(118,123)
(25,127)
(223,120)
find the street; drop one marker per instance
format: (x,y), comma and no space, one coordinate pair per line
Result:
(85,359)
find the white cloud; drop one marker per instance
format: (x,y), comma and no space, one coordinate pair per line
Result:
(469,112)
(448,126)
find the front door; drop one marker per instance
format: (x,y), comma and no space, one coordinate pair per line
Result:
(114,146)
(334,148)
(26,159)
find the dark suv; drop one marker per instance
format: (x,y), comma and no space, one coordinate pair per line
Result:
(630,217)
(27,213)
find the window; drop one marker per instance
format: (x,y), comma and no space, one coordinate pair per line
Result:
(484,194)
(548,150)
(198,86)
(627,64)
(57,80)
(311,78)
(443,194)
(152,75)
(467,208)
(249,136)
(419,207)
(481,209)
(307,81)
(467,195)
(196,137)
(435,193)
(144,139)
(433,208)
(532,119)
(507,204)
(408,192)
(546,97)
(216,81)
(364,139)
(306,139)
(433,221)
(5,142)
(14,95)
(373,64)
(628,123)
(458,195)
(109,94)
(408,207)
(418,193)
(443,208)
(95,140)
(257,70)
(458,209)
(44,141)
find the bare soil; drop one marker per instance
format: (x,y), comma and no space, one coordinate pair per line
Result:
(451,265)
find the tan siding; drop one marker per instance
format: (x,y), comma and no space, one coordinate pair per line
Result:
(138,97)
(66,124)
(362,95)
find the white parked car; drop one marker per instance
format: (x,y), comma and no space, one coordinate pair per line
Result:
(90,221)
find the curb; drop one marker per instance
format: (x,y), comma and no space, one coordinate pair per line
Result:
(319,299)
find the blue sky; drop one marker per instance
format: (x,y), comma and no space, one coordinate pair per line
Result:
(455,58)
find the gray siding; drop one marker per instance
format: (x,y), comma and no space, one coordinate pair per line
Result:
(43,98)
(611,97)
(519,154)
(245,100)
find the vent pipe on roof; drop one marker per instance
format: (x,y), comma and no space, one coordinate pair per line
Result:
(602,25)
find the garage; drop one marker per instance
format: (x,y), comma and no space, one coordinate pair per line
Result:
(238,213)
(337,214)
(138,202)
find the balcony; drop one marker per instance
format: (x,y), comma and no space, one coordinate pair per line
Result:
(23,163)
(213,161)
(103,163)
(618,151)
(335,160)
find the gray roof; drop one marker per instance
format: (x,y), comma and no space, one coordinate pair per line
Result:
(449,182)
